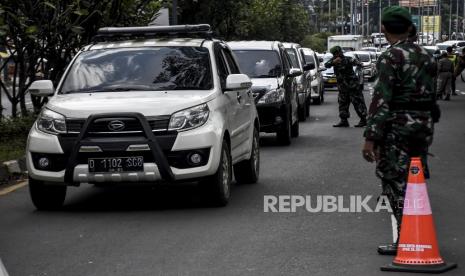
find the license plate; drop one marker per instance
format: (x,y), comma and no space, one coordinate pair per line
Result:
(116,164)
(332,80)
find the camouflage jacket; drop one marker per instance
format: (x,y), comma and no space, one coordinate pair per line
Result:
(404,93)
(344,70)
(445,65)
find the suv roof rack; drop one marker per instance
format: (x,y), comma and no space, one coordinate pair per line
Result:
(115,33)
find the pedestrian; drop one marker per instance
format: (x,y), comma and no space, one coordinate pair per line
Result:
(445,75)
(348,85)
(460,64)
(402,111)
(452,57)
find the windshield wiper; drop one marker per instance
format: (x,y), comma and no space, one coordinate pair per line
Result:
(110,89)
(263,76)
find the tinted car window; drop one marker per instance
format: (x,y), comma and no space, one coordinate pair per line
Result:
(144,69)
(294,59)
(259,63)
(231,63)
(309,59)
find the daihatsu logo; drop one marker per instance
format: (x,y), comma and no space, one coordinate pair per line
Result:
(116,125)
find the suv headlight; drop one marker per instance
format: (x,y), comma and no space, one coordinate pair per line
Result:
(51,122)
(189,118)
(272,96)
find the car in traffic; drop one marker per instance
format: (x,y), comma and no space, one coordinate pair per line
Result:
(374,50)
(274,85)
(454,43)
(132,108)
(314,76)
(329,77)
(303,87)
(379,39)
(369,65)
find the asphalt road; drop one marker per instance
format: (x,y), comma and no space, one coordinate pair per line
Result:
(170,231)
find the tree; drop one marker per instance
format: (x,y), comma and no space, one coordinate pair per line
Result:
(43,36)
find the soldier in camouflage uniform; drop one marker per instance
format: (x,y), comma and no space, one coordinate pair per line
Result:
(400,121)
(349,88)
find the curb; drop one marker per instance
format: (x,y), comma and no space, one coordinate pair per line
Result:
(13,170)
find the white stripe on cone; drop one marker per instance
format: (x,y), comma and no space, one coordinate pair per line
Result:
(3,271)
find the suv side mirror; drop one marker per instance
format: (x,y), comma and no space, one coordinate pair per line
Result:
(294,72)
(238,82)
(42,88)
(309,66)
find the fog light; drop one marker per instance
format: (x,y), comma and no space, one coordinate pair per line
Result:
(195,158)
(44,162)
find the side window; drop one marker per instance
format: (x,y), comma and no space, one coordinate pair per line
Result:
(221,66)
(233,68)
(317,61)
(285,60)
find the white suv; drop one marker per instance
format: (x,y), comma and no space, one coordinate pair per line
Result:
(145,104)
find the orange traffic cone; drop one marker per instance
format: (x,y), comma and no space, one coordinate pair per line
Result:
(418,248)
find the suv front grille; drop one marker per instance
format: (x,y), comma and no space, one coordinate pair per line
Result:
(157,123)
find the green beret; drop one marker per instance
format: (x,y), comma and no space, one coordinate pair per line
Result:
(335,50)
(396,13)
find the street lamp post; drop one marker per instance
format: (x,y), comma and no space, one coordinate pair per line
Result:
(450,18)
(175,12)
(363,19)
(379,15)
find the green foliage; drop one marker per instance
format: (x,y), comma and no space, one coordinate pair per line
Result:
(16,127)
(283,20)
(14,136)
(317,42)
(54,30)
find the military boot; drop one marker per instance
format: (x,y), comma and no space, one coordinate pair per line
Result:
(362,123)
(342,123)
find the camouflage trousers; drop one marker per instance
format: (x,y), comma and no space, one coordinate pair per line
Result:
(351,94)
(444,84)
(392,167)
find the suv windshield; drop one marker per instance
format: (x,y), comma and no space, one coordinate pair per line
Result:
(140,69)
(364,57)
(259,63)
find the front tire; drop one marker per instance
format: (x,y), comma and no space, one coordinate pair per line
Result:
(283,135)
(307,103)
(219,184)
(247,171)
(295,129)
(46,197)
(301,111)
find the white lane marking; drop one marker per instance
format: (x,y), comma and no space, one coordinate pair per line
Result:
(394,228)
(3,271)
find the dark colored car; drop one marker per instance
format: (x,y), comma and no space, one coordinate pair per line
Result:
(294,51)
(274,86)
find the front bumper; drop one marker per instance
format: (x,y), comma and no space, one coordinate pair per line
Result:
(168,163)
(330,81)
(272,116)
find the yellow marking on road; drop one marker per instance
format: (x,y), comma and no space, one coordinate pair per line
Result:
(12,188)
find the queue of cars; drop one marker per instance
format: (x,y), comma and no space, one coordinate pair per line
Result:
(170,104)
(167,104)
